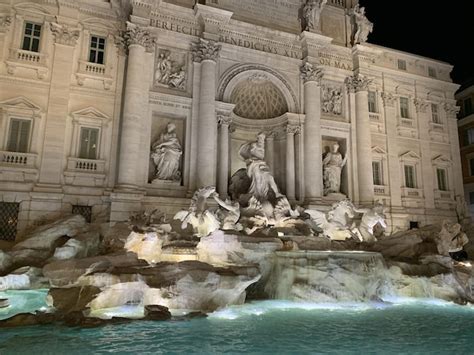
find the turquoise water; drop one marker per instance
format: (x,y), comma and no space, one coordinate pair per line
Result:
(23,301)
(281,327)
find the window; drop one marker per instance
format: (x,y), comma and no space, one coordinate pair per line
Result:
(432,72)
(467,103)
(372,102)
(97,50)
(31,37)
(471,167)
(19,136)
(8,220)
(471,198)
(89,143)
(442,181)
(404,112)
(410,176)
(377,173)
(402,65)
(435,114)
(470,136)
(84,211)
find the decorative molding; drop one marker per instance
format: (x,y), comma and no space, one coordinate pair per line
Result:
(421,105)
(311,73)
(451,109)
(293,129)
(223,119)
(410,155)
(357,83)
(137,35)
(389,99)
(441,160)
(377,150)
(64,35)
(205,50)
(5,22)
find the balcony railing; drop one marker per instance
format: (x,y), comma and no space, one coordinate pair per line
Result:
(20,160)
(340,3)
(412,193)
(33,58)
(86,165)
(381,190)
(374,117)
(443,195)
(407,122)
(91,68)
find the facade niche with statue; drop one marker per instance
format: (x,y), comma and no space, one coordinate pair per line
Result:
(166,153)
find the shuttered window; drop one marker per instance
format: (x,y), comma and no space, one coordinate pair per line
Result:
(31,37)
(19,136)
(410,179)
(377,173)
(404,109)
(89,143)
(372,102)
(442,181)
(435,114)
(97,50)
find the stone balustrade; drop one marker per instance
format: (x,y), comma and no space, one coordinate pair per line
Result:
(86,165)
(91,68)
(32,58)
(20,160)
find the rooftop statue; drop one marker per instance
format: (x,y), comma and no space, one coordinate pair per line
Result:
(362,26)
(312,14)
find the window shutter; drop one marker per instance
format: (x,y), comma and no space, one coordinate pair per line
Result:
(13,138)
(94,138)
(24,136)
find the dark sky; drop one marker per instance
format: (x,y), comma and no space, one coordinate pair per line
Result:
(437,29)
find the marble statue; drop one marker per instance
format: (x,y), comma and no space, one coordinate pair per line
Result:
(370,219)
(451,240)
(363,27)
(312,14)
(461,208)
(332,164)
(228,213)
(203,221)
(178,80)
(332,101)
(159,69)
(166,154)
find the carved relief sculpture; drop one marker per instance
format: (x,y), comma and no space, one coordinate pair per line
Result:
(332,101)
(312,14)
(64,35)
(332,164)
(170,71)
(362,26)
(166,154)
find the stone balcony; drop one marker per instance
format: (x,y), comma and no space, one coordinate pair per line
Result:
(380,190)
(19,160)
(376,122)
(412,193)
(444,195)
(18,167)
(85,172)
(20,58)
(93,71)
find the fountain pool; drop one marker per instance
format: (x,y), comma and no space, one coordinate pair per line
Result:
(400,326)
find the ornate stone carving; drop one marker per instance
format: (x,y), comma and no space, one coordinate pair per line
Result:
(137,35)
(5,22)
(170,70)
(309,72)
(332,167)
(332,100)
(224,120)
(64,35)
(358,83)
(312,14)
(421,105)
(166,154)
(205,50)
(451,109)
(293,129)
(362,27)
(389,99)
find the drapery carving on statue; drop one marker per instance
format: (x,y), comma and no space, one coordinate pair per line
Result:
(332,100)
(310,72)
(312,14)
(170,71)
(166,154)
(371,218)
(205,50)
(332,168)
(362,27)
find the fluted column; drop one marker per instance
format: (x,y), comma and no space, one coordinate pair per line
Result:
(135,102)
(359,85)
(206,52)
(313,169)
(452,123)
(223,178)
(291,130)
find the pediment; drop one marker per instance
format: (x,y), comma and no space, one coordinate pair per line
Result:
(91,112)
(21,103)
(378,150)
(410,155)
(442,160)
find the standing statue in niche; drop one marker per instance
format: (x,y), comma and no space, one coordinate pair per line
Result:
(363,27)
(312,13)
(166,154)
(332,164)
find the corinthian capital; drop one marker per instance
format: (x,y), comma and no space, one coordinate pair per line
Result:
(421,105)
(309,72)
(137,35)
(64,35)
(293,129)
(451,110)
(5,22)
(389,99)
(358,83)
(223,119)
(205,50)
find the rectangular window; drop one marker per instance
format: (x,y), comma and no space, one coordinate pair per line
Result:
(432,72)
(89,143)
(84,211)
(31,37)
(404,108)
(377,173)
(19,136)
(402,65)
(471,198)
(442,181)
(435,114)
(372,102)
(467,106)
(470,136)
(97,50)
(410,180)
(471,167)
(9,212)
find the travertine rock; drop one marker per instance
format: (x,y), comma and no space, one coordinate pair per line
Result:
(6,262)
(74,299)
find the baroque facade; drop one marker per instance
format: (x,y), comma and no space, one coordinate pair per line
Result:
(111,107)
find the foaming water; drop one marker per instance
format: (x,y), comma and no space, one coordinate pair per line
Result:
(399,326)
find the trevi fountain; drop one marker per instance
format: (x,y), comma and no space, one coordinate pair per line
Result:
(248,273)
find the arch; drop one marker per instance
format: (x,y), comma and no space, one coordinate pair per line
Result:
(238,73)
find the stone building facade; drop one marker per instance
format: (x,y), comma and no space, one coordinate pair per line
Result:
(91,90)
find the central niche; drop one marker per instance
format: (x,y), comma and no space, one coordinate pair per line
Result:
(258,98)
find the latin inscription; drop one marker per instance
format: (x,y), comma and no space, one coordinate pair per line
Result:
(259,46)
(335,63)
(170,26)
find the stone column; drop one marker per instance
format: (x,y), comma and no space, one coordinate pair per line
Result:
(313,168)
(223,178)
(135,103)
(53,159)
(270,150)
(290,161)
(452,124)
(359,85)
(206,52)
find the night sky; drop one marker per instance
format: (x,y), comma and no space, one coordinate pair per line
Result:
(435,29)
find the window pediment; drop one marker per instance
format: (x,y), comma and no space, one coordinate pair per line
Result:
(20,105)
(410,156)
(377,150)
(91,114)
(442,160)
